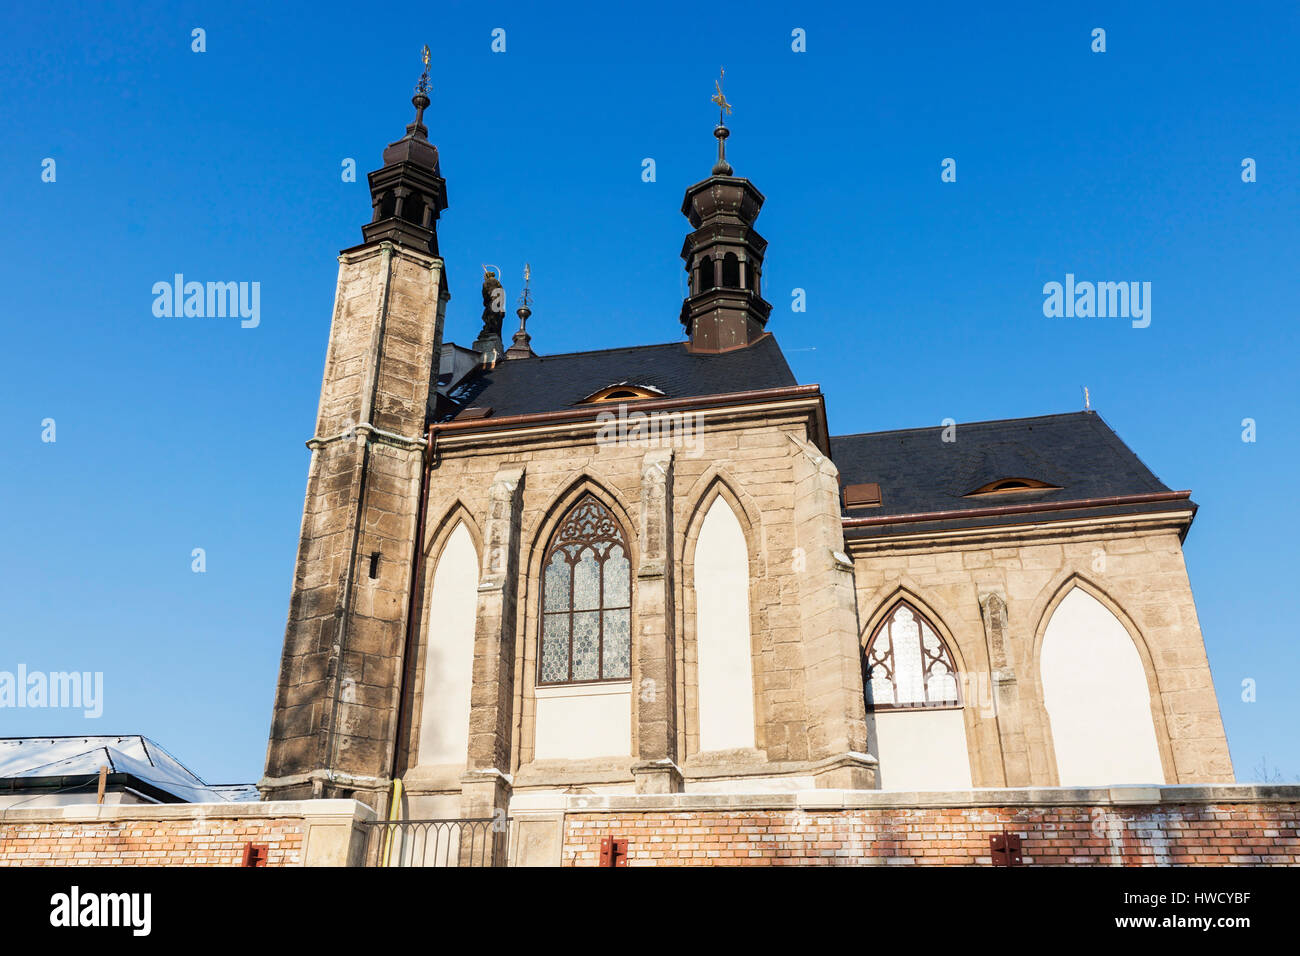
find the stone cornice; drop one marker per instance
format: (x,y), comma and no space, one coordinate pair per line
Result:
(1042,527)
(1021,797)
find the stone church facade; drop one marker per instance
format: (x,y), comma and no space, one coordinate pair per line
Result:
(653,570)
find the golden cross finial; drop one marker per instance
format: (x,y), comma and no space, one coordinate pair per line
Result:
(425,56)
(724,107)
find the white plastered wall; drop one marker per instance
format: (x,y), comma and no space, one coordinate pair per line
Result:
(449,660)
(577,721)
(1097,699)
(725,662)
(920,749)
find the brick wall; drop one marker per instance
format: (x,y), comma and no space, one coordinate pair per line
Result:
(1204,834)
(148,842)
(295,833)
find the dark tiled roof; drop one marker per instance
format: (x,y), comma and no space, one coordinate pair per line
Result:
(555,382)
(918,472)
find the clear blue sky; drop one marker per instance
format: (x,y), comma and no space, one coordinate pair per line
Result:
(924,298)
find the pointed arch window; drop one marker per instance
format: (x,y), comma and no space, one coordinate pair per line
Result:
(908,665)
(586,599)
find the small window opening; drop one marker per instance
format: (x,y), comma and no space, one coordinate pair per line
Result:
(1004,485)
(730,271)
(706,273)
(374,565)
(623,392)
(413,209)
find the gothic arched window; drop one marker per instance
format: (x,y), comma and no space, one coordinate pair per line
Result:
(586,599)
(908,664)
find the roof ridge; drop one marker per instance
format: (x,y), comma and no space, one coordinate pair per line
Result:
(613,348)
(67,737)
(989,421)
(52,763)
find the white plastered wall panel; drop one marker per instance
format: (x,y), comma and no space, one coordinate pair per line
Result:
(579,721)
(726,670)
(920,749)
(1097,699)
(449,667)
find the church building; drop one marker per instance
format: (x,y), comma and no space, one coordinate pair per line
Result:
(653,570)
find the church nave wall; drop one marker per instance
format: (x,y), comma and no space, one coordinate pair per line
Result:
(995,595)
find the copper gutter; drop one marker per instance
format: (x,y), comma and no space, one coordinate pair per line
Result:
(590,411)
(1031,508)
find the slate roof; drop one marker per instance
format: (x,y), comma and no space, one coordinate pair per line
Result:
(920,473)
(30,759)
(556,382)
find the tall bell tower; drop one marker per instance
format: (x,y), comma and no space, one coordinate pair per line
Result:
(337,701)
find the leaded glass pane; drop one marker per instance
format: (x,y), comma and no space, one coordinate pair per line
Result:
(586,598)
(555,647)
(586,645)
(943,685)
(881,684)
(618,645)
(882,688)
(616,578)
(908,664)
(557,583)
(932,644)
(905,636)
(586,582)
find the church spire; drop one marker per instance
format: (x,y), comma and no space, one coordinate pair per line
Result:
(409,193)
(724,254)
(522,347)
(721,167)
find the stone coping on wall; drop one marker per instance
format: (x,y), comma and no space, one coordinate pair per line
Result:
(311,811)
(883,799)
(336,811)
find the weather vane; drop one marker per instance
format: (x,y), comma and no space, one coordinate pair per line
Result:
(423,86)
(723,106)
(526,297)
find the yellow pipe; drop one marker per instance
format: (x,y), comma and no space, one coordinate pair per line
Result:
(394,814)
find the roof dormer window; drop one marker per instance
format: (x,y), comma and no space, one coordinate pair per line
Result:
(622,392)
(1009,485)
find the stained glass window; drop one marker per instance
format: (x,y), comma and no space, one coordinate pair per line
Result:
(586,599)
(909,665)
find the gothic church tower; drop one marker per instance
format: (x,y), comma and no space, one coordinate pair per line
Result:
(335,708)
